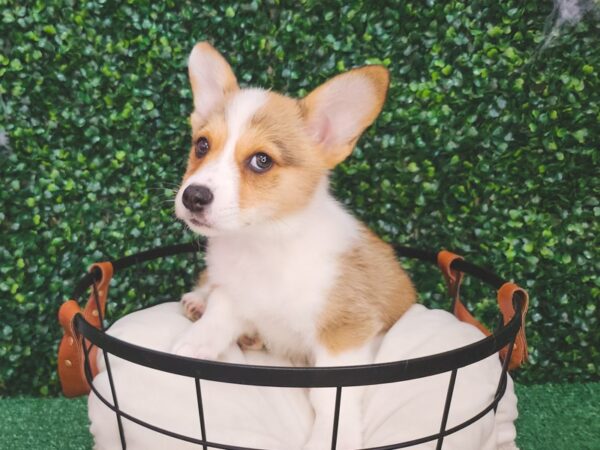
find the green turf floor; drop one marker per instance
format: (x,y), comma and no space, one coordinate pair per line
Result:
(552,417)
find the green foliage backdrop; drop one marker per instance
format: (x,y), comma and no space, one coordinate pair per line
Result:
(486,146)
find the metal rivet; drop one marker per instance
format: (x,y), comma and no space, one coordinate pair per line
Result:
(95,313)
(68,363)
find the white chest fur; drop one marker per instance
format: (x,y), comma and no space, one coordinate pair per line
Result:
(279,276)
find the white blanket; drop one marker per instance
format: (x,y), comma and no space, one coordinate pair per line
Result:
(281,418)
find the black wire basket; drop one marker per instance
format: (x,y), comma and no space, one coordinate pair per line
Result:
(85,334)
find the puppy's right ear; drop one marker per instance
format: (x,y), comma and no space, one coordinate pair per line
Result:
(211,78)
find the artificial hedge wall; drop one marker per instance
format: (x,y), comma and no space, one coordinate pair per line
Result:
(488,145)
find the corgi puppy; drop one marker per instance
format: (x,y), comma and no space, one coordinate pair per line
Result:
(285,261)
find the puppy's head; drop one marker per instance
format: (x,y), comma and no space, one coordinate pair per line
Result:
(258,156)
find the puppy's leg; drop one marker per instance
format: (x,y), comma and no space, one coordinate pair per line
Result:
(194,302)
(218,328)
(349,435)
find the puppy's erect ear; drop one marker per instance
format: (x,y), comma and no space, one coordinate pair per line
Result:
(211,78)
(338,111)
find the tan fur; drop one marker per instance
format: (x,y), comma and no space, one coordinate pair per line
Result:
(203,278)
(215,131)
(370,295)
(277,130)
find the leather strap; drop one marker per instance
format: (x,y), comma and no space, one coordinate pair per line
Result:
(70,352)
(505,303)
(454,279)
(90,312)
(506,293)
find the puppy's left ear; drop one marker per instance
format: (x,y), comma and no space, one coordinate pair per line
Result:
(338,111)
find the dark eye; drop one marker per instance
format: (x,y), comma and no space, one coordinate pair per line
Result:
(202,147)
(260,162)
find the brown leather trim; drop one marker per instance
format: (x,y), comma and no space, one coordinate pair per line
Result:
(454,279)
(505,295)
(505,302)
(464,315)
(70,351)
(90,312)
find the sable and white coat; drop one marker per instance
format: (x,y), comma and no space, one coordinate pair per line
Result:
(285,261)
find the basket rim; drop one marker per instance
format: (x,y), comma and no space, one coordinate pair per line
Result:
(300,377)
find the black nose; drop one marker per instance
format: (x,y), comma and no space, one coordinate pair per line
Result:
(196,197)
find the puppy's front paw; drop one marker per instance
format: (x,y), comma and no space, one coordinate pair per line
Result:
(194,304)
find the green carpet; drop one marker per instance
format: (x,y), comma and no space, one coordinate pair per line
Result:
(559,417)
(44,424)
(552,417)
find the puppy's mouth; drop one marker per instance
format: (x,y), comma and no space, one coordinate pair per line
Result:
(199,222)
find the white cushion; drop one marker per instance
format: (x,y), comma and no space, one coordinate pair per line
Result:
(281,418)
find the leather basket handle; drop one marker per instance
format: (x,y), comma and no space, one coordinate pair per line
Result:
(505,303)
(506,294)
(71,358)
(454,279)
